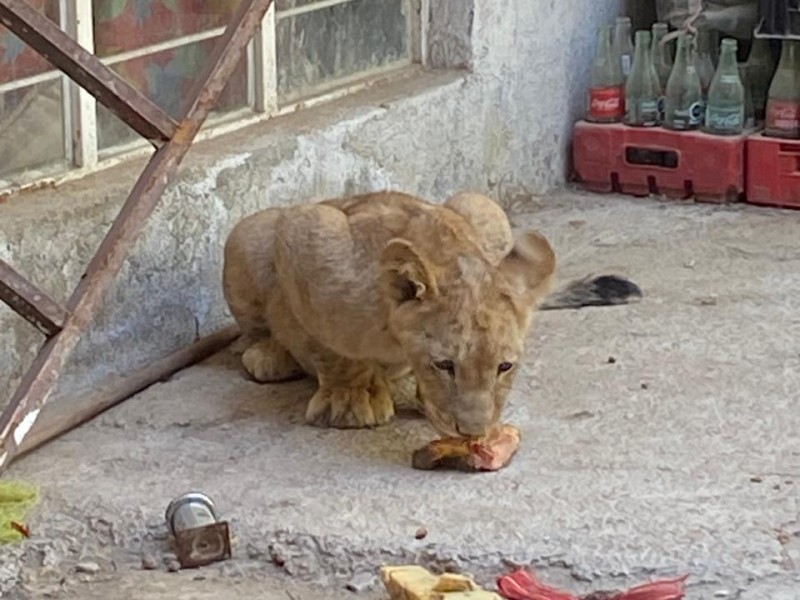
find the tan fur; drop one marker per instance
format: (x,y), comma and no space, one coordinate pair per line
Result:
(361,292)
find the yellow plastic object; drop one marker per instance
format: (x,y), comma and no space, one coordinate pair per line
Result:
(16,499)
(412,582)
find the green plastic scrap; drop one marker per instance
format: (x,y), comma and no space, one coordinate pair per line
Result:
(16,499)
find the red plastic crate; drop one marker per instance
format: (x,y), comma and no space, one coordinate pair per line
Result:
(773,171)
(641,161)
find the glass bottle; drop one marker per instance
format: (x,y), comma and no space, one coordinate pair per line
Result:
(642,90)
(749,108)
(684,96)
(606,88)
(702,60)
(725,108)
(623,47)
(661,59)
(760,70)
(783,102)
(660,53)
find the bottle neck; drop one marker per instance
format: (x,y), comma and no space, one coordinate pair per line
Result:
(655,46)
(603,43)
(702,42)
(640,52)
(641,49)
(727,60)
(683,54)
(622,33)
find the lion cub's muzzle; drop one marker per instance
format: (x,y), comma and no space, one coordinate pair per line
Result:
(461,422)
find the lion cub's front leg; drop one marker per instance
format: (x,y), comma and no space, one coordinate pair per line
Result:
(351,394)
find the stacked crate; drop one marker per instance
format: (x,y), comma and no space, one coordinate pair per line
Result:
(643,161)
(682,165)
(773,164)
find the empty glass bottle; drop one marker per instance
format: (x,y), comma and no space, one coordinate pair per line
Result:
(725,106)
(760,70)
(783,103)
(749,109)
(684,97)
(606,88)
(703,62)
(661,59)
(660,53)
(642,90)
(622,46)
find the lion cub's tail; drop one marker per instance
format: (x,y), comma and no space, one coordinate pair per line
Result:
(606,290)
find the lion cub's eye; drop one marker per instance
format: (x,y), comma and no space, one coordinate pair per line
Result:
(504,367)
(445,365)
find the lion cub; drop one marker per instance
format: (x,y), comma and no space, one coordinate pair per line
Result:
(383,295)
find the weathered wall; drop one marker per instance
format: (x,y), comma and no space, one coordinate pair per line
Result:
(501,127)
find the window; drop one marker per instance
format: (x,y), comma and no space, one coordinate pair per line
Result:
(306,49)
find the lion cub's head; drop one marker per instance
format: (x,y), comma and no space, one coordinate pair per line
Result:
(462,323)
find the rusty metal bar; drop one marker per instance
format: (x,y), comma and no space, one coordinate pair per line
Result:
(31,303)
(83,67)
(72,411)
(23,410)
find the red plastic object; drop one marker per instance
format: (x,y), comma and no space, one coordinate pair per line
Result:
(773,171)
(641,161)
(523,585)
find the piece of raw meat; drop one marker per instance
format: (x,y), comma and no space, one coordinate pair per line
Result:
(489,453)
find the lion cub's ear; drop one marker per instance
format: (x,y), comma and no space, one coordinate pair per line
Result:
(405,275)
(530,266)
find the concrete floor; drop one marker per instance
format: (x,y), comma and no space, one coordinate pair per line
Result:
(680,455)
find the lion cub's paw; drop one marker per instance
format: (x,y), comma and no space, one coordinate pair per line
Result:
(267,361)
(350,408)
(404,393)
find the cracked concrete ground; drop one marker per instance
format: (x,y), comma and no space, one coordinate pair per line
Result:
(681,454)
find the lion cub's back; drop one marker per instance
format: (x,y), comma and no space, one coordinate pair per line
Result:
(378,217)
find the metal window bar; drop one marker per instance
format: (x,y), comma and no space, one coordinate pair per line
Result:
(80,117)
(78,106)
(65,325)
(112,59)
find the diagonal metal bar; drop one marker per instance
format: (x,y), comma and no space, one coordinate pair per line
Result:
(21,413)
(120,97)
(31,303)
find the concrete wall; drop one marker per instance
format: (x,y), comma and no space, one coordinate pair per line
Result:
(501,125)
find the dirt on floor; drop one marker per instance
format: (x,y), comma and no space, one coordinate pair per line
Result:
(659,438)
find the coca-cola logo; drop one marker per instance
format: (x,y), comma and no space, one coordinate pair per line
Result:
(605,104)
(784,112)
(785,124)
(784,116)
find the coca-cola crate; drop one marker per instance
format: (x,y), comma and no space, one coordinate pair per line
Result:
(641,161)
(773,171)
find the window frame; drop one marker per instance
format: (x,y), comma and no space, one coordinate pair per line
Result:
(82,154)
